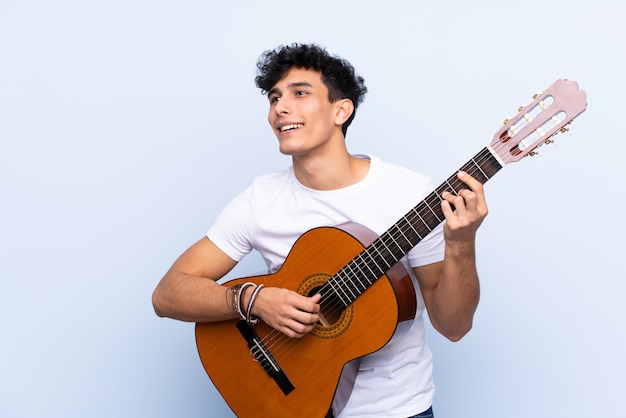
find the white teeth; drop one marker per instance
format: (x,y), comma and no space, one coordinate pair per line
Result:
(292,126)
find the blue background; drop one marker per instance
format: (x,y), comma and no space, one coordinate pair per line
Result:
(125,126)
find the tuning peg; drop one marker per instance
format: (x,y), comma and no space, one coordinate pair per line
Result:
(505,121)
(537,95)
(519,109)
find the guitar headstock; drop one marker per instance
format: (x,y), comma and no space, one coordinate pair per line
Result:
(535,124)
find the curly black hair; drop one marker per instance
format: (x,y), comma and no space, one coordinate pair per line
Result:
(338,75)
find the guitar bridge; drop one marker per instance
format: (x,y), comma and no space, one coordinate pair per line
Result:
(262,354)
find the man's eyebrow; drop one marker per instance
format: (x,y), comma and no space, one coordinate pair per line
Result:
(290,86)
(299,84)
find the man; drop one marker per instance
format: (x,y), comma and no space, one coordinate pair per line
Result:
(313,97)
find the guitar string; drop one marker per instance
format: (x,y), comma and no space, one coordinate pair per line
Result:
(409,224)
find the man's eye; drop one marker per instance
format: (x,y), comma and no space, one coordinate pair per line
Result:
(274,99)
(301,93)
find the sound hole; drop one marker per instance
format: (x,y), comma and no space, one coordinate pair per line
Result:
(334,319)
(330,308)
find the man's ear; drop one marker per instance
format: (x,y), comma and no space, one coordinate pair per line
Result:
(344,109)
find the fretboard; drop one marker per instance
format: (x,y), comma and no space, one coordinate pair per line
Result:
(376,259)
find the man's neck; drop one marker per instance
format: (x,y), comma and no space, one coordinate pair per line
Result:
(332,172)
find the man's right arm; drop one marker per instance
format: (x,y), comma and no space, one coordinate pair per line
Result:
(189,291)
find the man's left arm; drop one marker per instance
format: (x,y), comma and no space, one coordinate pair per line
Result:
(451,288)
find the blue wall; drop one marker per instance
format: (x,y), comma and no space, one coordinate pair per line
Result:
(125,126)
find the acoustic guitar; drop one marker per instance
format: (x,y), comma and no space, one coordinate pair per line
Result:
(260,372)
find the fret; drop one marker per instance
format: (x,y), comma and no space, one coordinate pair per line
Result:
(375,267)
(337,290)
(381,261)
(346,281)
(402,233)
(481,170)
(452,187)
(351,290)
(382,255)
(423,222)
(357,277)
(390,235)
(372,275)
(390,238)
(433,212)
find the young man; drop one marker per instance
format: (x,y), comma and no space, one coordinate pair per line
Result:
(313,97)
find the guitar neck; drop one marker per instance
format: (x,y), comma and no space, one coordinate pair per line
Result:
(375,260)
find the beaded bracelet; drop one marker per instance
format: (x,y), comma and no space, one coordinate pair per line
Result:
(234,301)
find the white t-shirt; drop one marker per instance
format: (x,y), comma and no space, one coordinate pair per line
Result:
(270,215)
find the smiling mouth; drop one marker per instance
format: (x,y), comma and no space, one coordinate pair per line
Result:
(291,127)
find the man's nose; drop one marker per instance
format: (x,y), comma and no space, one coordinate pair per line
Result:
(283,106)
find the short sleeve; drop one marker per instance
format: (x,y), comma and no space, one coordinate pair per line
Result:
(231,230)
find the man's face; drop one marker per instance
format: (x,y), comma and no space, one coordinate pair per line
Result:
(301,116)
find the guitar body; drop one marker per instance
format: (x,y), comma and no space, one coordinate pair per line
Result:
(312,364)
